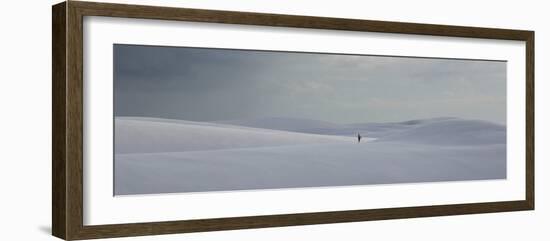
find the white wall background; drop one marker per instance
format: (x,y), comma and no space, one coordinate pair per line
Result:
(25,123)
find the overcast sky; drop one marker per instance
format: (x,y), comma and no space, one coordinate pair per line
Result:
(218,84)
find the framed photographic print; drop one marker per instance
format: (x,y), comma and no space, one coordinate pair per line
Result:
(171,120)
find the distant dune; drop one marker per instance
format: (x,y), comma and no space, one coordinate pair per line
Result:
(451,132)
(285,124)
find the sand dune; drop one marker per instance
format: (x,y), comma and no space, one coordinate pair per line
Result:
(167,156)
(142,135)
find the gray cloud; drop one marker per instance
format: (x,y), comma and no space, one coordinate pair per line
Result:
(218,84)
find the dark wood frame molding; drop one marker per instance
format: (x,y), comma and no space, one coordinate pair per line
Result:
(67,159)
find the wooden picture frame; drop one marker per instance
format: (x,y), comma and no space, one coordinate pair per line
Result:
(67,152)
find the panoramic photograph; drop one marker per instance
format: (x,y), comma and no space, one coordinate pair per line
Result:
(192,119)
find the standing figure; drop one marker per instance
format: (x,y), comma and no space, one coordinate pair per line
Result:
(358,138)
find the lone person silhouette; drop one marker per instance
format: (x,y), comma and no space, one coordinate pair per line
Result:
(358,137)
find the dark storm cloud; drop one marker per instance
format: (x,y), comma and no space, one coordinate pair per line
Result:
(215,84)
